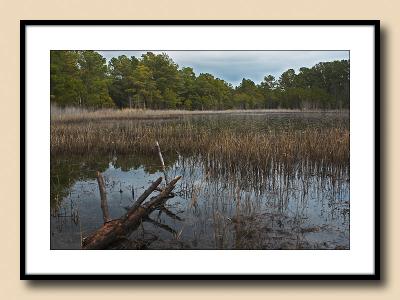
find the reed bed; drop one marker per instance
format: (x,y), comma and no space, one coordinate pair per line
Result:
(225,146)
(76,114)
(249,181)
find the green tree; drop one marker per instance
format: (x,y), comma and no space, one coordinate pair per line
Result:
(164,72)
(121,72)
(268,89)
(249,95)
(145,87)
(186,87)
(287,79)
(155,81)
(66,87)
(93,74)
(79,78)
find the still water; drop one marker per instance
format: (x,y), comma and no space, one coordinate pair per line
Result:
(212,209)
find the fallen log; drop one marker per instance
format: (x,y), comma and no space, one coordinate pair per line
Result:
(116,230)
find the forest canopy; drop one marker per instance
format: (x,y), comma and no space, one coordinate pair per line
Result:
(155,81)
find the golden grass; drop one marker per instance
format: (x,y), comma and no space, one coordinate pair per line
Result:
(76,114)
(232,148)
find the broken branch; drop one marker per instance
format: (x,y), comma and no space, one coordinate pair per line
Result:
(103,197)
(116,230)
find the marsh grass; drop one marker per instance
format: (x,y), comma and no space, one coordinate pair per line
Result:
(245,215)
(77,114)
(227,146)
(222,210)
(248,178)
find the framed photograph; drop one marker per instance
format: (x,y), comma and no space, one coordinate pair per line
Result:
(240,150)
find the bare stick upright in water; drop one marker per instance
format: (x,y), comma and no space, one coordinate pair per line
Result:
(162,161)
(103,197)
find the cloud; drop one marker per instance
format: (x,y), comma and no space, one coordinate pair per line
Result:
(232,66)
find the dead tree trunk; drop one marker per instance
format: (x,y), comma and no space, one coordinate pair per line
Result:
(116,230)
(103,197)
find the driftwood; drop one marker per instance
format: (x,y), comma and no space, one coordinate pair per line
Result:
(162,161)
(116,230)
(151,188)
(103,198)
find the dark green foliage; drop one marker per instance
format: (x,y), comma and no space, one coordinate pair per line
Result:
(65,83)
(121,89)
(79,78)
(155,81)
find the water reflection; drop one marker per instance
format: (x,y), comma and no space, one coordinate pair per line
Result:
(217,206)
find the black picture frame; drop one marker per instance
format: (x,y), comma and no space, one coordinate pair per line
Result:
(23,150)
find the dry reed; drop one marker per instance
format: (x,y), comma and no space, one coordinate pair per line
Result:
(233,148)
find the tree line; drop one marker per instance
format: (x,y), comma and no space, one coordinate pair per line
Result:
(155,81)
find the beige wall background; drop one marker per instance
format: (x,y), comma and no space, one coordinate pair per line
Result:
(12,11)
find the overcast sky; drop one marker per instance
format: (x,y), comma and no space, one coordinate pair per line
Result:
(233,66)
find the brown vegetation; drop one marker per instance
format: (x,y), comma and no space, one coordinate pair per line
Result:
(248,172)
(232,146)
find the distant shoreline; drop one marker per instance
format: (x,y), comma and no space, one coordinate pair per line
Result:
(73,113)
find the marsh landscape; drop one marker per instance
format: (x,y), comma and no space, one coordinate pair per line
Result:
(260,166)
